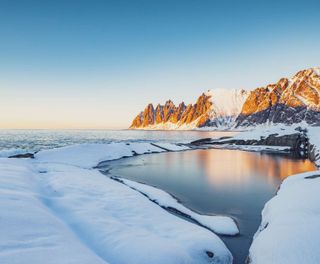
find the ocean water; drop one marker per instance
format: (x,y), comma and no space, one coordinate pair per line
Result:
(22,141)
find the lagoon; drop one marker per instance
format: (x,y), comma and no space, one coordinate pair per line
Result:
(216,181)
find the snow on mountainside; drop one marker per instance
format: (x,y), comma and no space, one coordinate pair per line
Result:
(226,106)
(288,101)
(216,108)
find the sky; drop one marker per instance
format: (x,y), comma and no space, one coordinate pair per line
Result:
(96,64)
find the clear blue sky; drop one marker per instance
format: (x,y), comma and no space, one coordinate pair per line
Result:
(95,64)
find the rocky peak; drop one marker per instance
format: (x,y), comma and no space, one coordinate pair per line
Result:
(204,112)
(148,115)
(168,110)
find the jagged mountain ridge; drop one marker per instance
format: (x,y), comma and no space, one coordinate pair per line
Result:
(217,108)
(287,101)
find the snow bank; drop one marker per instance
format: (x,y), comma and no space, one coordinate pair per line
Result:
(89,155)
(122,225)
(290,228)
(219,224)
(30,233)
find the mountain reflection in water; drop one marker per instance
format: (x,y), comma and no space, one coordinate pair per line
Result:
(216,181)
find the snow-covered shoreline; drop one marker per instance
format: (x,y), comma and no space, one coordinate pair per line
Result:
(58,205)
(289,231)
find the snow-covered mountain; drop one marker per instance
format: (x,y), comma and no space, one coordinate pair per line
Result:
(215,108)
(288,101)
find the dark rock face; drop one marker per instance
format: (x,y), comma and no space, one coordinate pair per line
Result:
(288,101)
(281,114)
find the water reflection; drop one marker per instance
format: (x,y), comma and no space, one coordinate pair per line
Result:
(225,167)
(229,182)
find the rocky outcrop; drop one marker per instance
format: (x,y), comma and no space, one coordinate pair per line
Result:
(298,142)
(288,101)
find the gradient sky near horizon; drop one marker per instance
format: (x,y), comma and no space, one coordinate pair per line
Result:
(96,64)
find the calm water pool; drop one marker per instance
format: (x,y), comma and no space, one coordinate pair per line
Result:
(228,182)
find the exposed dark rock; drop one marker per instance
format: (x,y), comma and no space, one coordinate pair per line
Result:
(201,141)
(22,156)
(312,177)
(298,142)
(210,254)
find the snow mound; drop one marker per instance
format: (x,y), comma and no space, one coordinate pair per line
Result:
(30,233)
(290,228)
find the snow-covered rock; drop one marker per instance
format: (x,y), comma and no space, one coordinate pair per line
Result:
(290,227)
